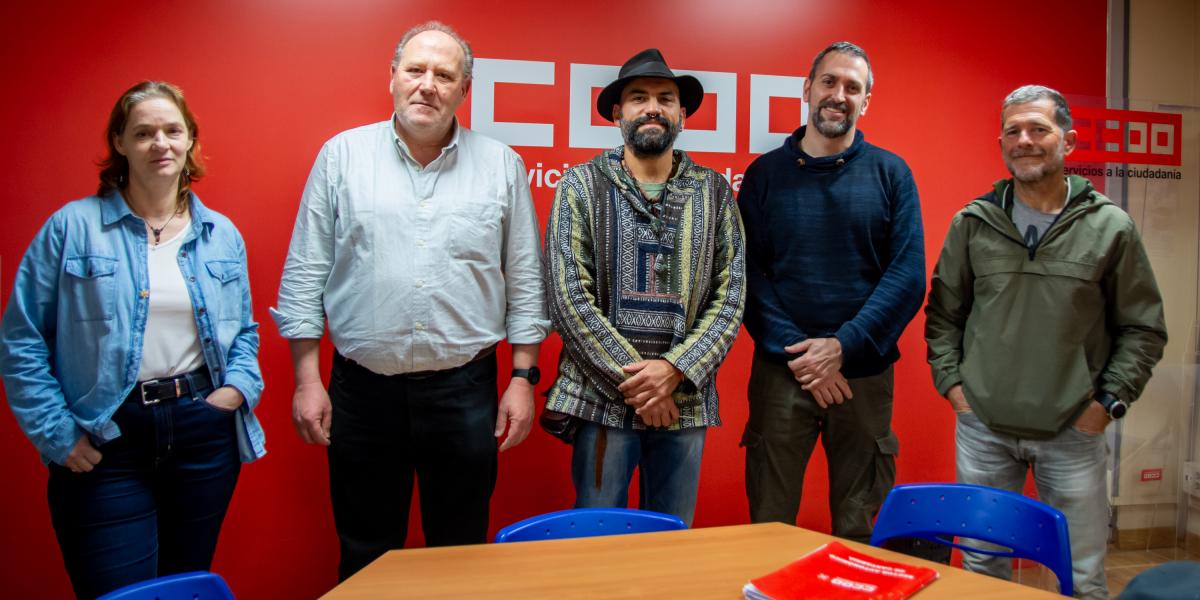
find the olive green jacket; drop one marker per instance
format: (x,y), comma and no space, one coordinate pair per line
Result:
(1031,333)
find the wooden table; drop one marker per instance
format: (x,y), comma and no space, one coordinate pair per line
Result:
(694,563)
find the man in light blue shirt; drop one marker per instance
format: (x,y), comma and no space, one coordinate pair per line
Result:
(417,240)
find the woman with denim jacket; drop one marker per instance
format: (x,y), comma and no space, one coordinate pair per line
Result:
(129,356)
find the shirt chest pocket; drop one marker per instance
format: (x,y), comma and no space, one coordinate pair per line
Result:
(90,288)
(228,279)
(477,231)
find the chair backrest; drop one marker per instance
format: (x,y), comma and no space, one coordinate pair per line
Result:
(941,511)
(588,522)
(197,585)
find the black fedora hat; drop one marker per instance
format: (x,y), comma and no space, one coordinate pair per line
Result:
(649,63)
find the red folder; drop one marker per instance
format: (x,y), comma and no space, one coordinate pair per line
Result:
(835,571)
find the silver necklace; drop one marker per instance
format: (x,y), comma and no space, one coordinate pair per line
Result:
(158,230)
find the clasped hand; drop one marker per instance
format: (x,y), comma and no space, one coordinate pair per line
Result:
(818,369)
(650,390)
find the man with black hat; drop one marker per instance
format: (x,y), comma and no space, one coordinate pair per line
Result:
(645,283)
(836,269)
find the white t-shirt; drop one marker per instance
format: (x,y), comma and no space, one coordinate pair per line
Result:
(171,345)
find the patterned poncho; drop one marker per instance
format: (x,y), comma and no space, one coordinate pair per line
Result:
(629,280)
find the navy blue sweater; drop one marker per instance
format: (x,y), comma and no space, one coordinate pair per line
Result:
(834,248)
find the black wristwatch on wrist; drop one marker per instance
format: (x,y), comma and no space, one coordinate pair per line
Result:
(1114,406)
(533,374)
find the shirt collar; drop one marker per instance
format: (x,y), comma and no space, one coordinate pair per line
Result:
(403,148)
(114,208)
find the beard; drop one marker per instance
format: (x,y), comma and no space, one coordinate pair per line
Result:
(832,129)
(1050,167)
(652,142)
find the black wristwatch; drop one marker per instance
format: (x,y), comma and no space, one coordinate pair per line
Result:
(1114,406)
(533,374)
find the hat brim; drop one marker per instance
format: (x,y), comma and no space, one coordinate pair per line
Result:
(691,94)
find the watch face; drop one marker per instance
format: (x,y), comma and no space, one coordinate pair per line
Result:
(1118,410)
(533,374)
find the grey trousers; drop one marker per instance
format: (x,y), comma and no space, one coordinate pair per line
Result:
(785,423)
(1069,470)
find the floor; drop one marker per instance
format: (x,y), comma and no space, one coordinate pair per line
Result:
(1120,565)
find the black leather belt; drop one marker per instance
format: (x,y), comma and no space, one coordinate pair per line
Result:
(482,354)
(169,388)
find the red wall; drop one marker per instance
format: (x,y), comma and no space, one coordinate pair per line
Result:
(270,80)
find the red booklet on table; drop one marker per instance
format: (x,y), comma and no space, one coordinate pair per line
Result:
(835,571)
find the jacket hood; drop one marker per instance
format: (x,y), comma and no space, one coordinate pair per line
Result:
(995,207)
(609,164)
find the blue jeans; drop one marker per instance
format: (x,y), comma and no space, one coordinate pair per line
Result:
(154,504)
(668,464)
(1069,472)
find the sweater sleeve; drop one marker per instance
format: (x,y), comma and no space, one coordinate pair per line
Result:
(1135,315)
(588,336)
(878,324)
(951,295)
(766,320)
(718,322)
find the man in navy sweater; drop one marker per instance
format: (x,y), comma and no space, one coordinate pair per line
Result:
(835,269)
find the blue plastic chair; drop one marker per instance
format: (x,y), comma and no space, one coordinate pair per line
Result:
(588,522)
(197,585)
(940,511)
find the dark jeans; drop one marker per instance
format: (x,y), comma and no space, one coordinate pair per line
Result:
(154,504)
(860,448)
(385,429)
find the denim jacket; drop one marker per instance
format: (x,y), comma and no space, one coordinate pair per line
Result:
(71,339)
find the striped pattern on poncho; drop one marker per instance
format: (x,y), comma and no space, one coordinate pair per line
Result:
(629,280)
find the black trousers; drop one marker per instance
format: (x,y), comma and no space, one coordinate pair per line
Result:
(386,429)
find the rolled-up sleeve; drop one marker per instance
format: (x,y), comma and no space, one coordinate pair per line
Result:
(525,319)
(300,313)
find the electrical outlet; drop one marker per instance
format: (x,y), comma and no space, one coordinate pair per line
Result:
(1191,478)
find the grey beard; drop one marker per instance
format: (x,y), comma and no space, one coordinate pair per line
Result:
(830,129)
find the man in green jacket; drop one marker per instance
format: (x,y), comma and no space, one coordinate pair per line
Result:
(1044,322)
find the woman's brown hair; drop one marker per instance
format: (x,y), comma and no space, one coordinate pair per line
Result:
(114,169)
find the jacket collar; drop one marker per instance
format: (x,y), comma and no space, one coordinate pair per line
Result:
(113,208)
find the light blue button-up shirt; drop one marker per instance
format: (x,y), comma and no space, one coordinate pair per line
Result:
(71,340)
(416,268)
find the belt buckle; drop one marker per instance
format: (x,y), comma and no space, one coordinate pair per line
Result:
(146,401)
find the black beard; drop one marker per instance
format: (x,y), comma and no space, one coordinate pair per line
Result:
(829,129)
(650,143)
